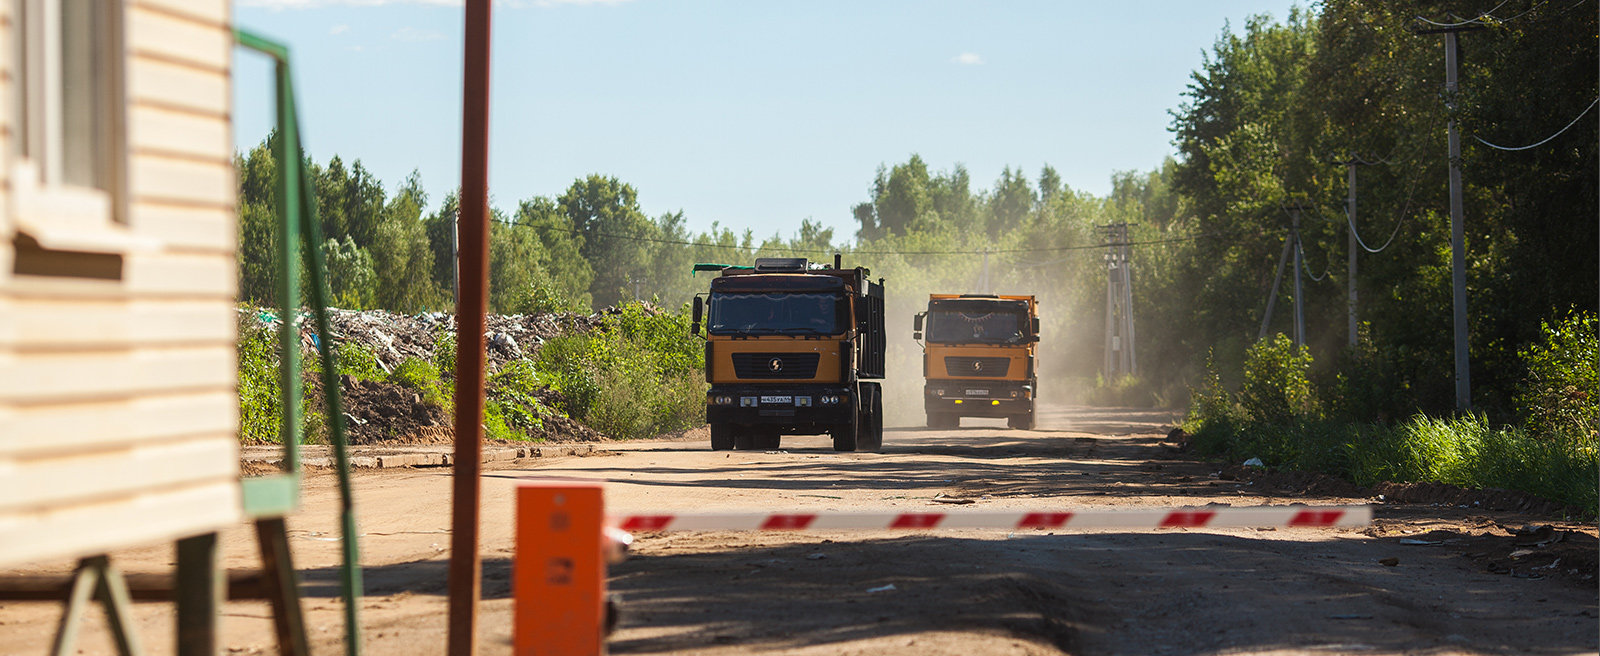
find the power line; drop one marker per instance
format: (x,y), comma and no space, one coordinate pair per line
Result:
(1404,214)
(787,249)
(1306,264)
(1546,139)
(1472,20)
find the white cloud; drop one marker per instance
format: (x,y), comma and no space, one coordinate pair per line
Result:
(967,59)
(339,29)
(414,35)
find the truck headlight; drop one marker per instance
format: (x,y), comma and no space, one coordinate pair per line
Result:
(1013,394)
(802,401)
(748,401)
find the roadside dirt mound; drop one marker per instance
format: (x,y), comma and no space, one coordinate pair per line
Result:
(1311,483)
(387,413)
(1454,495)
(1294,482)
(377,411)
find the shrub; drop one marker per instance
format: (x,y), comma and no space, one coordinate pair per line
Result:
(637,377)
(1276,388)
(260,403)
(422,376)
(1557,398)
(542,297)
(513,391)
(444,351)
(355,361)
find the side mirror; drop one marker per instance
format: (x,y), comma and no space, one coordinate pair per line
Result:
(916,322)
(917,335)
(1036,326)
(694,323)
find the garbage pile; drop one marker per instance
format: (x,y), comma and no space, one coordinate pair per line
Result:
(384,412)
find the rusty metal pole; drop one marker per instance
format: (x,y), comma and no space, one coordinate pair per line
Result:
(473,268)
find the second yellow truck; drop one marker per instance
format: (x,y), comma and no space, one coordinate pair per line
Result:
(978,358)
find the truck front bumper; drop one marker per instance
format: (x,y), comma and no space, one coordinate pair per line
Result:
(977,398)
(797,408)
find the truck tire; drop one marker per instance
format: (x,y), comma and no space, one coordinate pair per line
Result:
(870,435)
(845,435)
(721,437)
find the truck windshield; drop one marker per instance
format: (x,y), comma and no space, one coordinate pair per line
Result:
(774,314)
(952,327)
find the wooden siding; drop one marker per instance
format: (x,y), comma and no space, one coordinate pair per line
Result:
(118,408)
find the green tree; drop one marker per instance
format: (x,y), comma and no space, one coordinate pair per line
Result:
(605,212)
(351,277)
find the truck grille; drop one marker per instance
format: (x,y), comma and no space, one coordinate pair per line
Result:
(775,365)
(977,367)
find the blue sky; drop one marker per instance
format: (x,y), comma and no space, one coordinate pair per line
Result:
(752,114)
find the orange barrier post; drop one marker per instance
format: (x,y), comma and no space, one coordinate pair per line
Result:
(558,575)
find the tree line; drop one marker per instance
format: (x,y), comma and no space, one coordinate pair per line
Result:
(1269,114)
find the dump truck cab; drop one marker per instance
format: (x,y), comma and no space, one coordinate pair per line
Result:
(792,348)
(978,358)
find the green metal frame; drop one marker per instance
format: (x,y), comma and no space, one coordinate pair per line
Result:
(275,496)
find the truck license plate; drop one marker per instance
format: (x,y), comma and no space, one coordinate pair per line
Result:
(776,399)
(977,392)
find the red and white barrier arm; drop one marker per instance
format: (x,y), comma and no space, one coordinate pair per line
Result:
(1197,517)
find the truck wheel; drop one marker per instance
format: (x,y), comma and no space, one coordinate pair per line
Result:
(1022,421)
(721,437)
(844,435)
(871,437)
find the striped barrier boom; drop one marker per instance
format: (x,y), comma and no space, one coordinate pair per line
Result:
(1195,517)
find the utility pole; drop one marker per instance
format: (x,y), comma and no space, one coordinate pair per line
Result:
(1299,306)
(455,258)
(1458,247)
(1350,251)
(1272,298)
(1121,358)
(1351,244)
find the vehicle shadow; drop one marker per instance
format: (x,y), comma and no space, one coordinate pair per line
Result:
(1122,593)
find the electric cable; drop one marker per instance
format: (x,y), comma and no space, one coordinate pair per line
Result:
(1469,21)
(1404,214)
(786,249)
(1546,139)
(1305,263)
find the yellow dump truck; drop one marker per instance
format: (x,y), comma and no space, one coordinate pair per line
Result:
(978,358)
(793,348)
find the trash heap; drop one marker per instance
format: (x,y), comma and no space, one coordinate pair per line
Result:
(384,412)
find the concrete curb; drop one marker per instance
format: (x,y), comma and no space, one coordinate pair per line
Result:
(428,458)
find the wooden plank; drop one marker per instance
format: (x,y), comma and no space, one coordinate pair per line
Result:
(208,183)
(36,430)
(50,324)
(182,40)
(213,12)
(131,521)
(42,483)
(105,375)
(187,227)
(199,275)
(158,130)
(172,85)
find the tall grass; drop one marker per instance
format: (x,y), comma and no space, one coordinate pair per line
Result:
(1277,418)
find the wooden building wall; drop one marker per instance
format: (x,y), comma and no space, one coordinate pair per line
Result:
(118,409)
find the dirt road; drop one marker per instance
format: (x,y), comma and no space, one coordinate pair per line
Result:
(1456,587)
